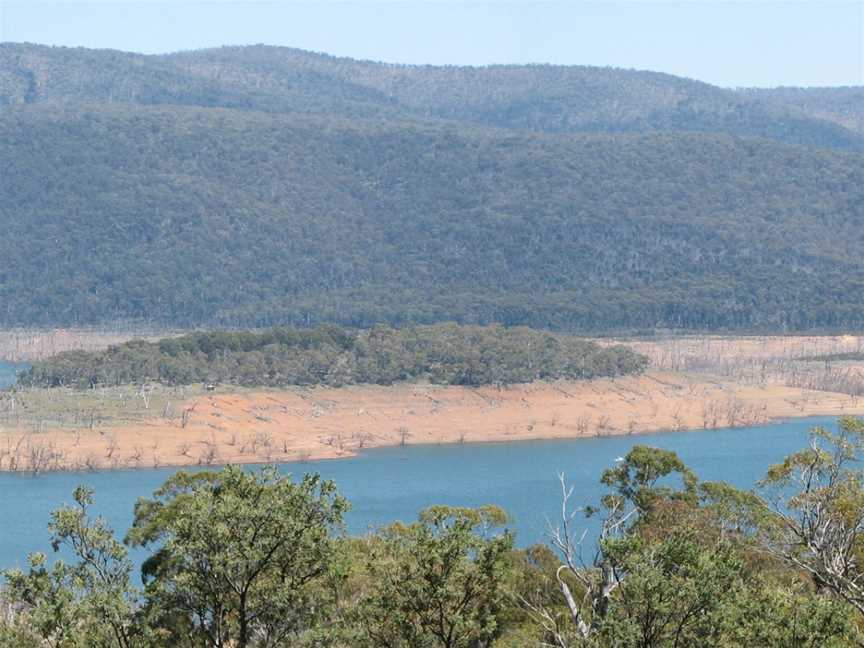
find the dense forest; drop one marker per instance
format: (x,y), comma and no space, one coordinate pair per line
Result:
(188,216)
(259,560)
(258,186)
(443,354)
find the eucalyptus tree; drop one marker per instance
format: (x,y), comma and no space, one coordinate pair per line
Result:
(636,486)
(86,603)
(439,582)
(241,558)
(809,511)
(674,566)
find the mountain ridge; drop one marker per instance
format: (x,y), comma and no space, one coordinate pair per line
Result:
(537,97)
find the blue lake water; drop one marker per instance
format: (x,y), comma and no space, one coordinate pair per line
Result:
(395,483)
(8,371)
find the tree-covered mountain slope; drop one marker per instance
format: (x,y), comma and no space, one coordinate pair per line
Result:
(203,216)
(542,98)
(843,105)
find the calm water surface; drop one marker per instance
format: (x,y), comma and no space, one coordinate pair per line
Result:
(8,370)
(395,483)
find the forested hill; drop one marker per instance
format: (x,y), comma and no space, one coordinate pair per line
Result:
(195,216)
(533,97)
(264,186)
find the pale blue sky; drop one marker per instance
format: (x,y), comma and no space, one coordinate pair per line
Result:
(751,43)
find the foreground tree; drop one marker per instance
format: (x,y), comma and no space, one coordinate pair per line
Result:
(635,491)
(810,511)
(87,603)
(243,558)
(439,582)
(670,569)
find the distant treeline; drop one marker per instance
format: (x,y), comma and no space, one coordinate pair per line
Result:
(850,356)
(446,354)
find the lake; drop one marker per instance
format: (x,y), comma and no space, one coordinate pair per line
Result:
(8,371)
(395,483)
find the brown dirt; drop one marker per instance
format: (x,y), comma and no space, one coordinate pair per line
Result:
(300,424)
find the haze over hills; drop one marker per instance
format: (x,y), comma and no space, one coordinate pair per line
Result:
(259,186)
(534,97)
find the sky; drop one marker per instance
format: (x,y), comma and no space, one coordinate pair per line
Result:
(732,44)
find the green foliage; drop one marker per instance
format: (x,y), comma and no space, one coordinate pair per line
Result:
(445,354)
(241,557)
(674,591)
(841,105)
(438,582)
(635,480)
(681,564)
(783,615)
(811,510)
(683,591)
(87,604)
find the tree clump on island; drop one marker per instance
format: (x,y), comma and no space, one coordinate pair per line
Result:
(445,354)
(258,560)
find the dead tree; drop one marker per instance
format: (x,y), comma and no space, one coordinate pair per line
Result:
(362,438)
(111,446)
(145,395)
(734,411)
(603,425)
(598,578)
(187,414)
(403,435)
(582,424)
(135,457)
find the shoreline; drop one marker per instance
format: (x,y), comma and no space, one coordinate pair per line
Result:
(356,453)
(300,425)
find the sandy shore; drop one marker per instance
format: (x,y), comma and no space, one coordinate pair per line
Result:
(303,424)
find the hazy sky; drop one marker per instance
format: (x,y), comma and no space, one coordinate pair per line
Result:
(749,43)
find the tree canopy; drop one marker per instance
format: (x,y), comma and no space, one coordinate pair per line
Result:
(444,354)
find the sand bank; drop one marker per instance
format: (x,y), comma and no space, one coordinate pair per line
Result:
(213,428)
